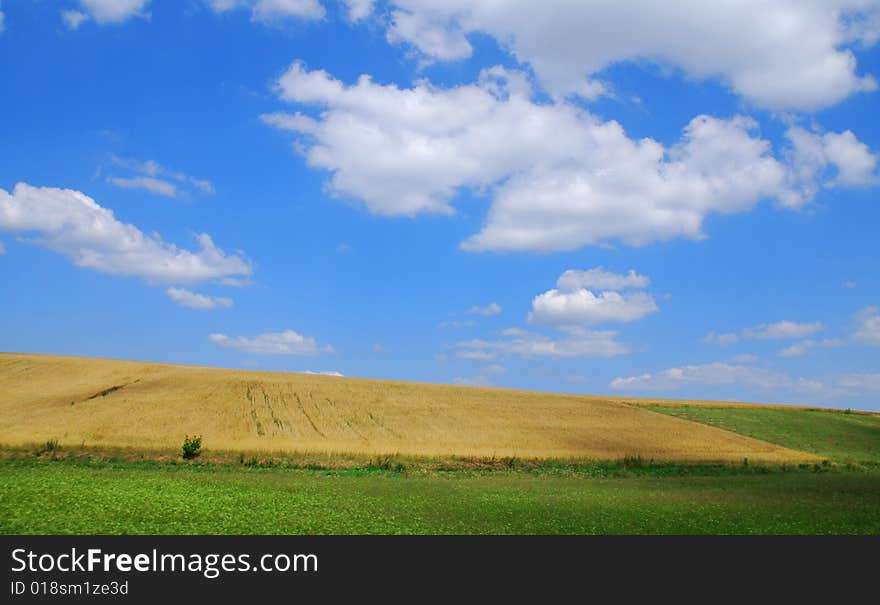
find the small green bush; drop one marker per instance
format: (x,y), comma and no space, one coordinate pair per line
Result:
(192,447)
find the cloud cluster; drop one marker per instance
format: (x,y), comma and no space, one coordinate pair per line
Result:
(559,178)
(73,224)
(571,304)
(795,56)
(750,377)
(573,310)
(287,342)
(105,12)
(780,330)
(153,177)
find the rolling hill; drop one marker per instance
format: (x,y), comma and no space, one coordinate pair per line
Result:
(100,402)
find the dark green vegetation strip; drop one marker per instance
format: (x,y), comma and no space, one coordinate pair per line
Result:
(838,436)
(69,496)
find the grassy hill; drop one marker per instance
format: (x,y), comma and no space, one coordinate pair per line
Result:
(99,402)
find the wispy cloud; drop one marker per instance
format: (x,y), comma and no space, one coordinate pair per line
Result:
(195,300)
(155,178)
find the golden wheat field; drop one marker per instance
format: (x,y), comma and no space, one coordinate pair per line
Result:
(100,402)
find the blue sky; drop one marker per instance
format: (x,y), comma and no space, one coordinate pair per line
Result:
(579,197)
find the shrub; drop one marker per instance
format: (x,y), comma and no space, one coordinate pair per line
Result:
(48,447)
(192,447)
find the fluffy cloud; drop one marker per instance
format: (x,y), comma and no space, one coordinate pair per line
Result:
(573,310)
(868,325)
(783,330)
(105,11)
(488,310)
(794,58)
(812,155)
(194,300)
(582,306)
(74,225)
(147,178)
(272,343)
(572,304)
(272,10)
(522,343)
(559,177)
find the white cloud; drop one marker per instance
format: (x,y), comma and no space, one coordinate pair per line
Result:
(105,11)
(744,358)
(272,343)
(868,325)
(780,54)
(148,183)
(268,11)
(2,22)
(572,304)
(581,306)
(812,155)
(559,178)
(74,225)
(783,330)
(194,300)
(520,343)
(601,279)
(359,9)
(148,172)
(723,339)
(488,310)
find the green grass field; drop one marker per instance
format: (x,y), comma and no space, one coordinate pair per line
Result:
(838,436)
(75,496)
(47,490)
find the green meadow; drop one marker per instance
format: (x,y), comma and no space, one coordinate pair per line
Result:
(51,490)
